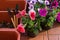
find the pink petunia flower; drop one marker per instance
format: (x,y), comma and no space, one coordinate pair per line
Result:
(20,28)
(42,12)
(32,14)
(18,15)
(23,13)
(58,17)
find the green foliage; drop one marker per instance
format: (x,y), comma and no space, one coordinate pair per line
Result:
(38,25)
(51,18)
(36,6)
(50,21)
(32,31)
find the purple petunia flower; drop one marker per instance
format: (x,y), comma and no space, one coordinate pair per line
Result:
(55,4)
(58,17)
(31,4)
(42,12)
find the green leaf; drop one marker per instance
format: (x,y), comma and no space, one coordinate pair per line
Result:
(36,6)
(31,23)
(24,20)
(42,19)
(50,21)
(42,6)
(38,25)
(35,31)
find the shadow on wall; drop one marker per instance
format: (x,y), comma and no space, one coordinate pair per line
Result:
(4,4)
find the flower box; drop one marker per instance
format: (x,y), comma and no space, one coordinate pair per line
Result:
(10,4)
(9,34)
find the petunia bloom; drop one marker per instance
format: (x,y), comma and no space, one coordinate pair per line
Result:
(20,28)
(55,4)
(33,2)
(23,13)
(58,17)
(31,7)
(18,15)
(41,1)
(42,12)
(47,2)
(32,14)
(28,0)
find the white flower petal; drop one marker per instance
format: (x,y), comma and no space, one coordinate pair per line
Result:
(38,9)
(31,7)
(47,2)
(41,1)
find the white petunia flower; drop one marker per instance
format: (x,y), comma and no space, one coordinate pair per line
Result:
(33,2)
(31,7)
(41,1)
(47,2)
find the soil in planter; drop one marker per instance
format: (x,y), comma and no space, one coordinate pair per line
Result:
(32,32)
(45,27)
(5,24)
(7,35)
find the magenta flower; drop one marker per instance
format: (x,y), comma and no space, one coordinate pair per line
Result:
(55,4)
(42,12)
(20,28)
(32,14)
(58,17)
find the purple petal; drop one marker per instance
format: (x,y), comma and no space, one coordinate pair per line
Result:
(43,12)
(58,17)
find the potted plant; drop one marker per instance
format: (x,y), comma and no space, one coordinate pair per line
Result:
(11,31)
(40,16)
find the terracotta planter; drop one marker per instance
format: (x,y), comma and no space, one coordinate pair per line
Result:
(9,34)
(10,4)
